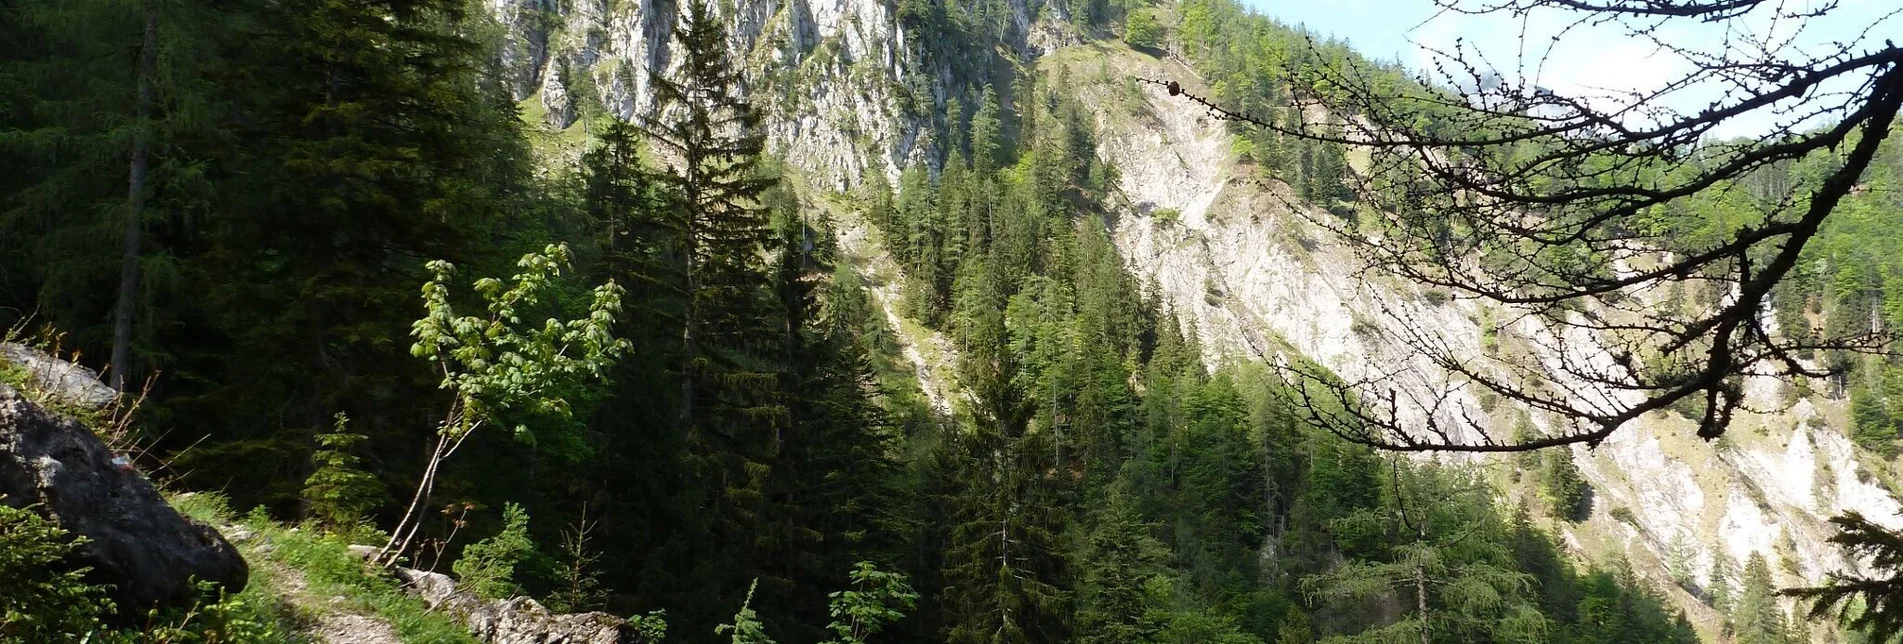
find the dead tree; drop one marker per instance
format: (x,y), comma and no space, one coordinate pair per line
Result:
(1552,210)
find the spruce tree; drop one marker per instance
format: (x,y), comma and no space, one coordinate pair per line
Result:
(625,215)
(101,148)
(1757,619)
(339,493)
(1450,588)
(1005,576)
(732,405)
(1718,582)
(710,137)
(1120,559)
(357,138)
(1561,485)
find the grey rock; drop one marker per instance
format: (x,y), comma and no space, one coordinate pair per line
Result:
(517,620)
(146,550)
(62,381)
(361,552)
(237,533)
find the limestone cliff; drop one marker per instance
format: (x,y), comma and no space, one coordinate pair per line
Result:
(1257,279)
(846,86)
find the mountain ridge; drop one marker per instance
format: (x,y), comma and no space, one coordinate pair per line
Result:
(1253,277)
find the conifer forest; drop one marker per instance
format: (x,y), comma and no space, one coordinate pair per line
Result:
(962,321)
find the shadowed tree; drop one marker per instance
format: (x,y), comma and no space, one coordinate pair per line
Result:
(1873,604)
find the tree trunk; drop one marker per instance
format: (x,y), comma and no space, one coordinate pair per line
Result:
(690,248)
(1420,599)
(135,211)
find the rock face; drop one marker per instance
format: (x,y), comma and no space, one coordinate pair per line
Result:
(60,380)
(136,542)
(518,620)
(844,86)
(1256,280)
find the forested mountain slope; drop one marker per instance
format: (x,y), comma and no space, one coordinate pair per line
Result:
(1260,281)
(977,307)
(1214,228)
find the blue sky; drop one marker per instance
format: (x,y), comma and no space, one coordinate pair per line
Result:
(1598,62)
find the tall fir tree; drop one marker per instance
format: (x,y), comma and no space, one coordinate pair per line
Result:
(359,138)
(732,403)
(1757,618)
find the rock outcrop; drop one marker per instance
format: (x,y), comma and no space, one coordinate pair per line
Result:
(135,541)
(517,620)
(57,380)
(844,83)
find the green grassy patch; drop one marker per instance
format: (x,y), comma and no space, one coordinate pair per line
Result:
(330,570)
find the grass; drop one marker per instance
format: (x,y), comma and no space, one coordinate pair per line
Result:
(552,146)
(329,570)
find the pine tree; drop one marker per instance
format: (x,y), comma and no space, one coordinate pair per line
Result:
(339,493)
(1119,561)
(353,138)
(1757,619)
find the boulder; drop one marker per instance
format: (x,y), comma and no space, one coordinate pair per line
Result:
(136,542)
(518,620)
(58,380)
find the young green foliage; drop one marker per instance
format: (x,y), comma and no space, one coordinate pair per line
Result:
(877,599)
(746,626)
(496,363)
(40,599)
(487,567)
(339,493)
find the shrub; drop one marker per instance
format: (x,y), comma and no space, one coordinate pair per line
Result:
(487,567)
(41,600)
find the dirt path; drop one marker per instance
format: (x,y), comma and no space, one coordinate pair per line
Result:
(333,620)
(337,621)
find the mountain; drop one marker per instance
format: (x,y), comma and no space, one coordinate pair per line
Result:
(851,321)
(1236,257)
